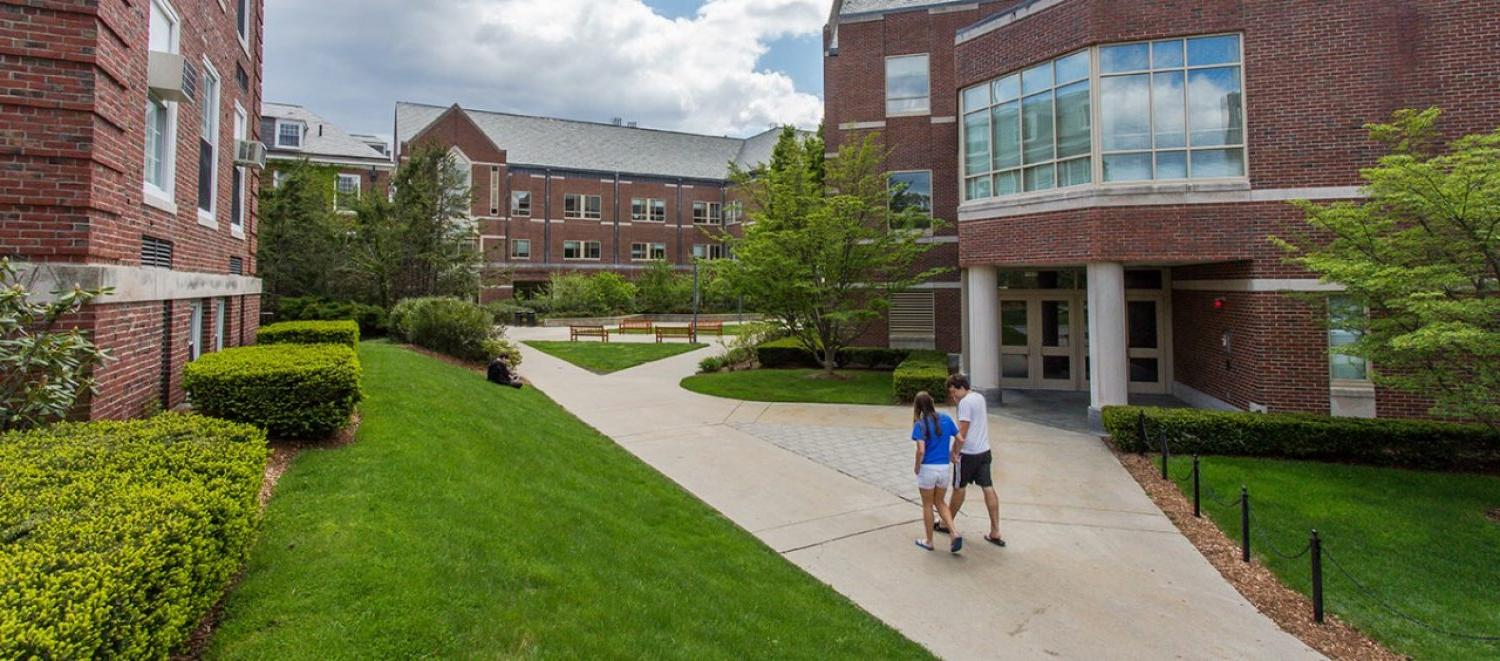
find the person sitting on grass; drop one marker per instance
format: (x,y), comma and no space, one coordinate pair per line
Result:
(500,373)
(933,433)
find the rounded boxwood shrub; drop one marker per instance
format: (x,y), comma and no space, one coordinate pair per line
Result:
(289,390)
(1383,442)
(450,326)
(310,332)
(116,538)
(922,370)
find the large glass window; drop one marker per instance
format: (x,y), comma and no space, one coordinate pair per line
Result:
(1161,110)
(911,190)
(1345,327)
(907,85)
(520,248)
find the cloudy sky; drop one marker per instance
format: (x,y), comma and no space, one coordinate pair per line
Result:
(713,66)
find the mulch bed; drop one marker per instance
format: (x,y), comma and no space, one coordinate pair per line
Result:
(1289,609)
(1494,514)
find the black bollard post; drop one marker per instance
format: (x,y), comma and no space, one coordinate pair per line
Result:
(1244,524)
(1197,500)
(1315,546)
(1164,457)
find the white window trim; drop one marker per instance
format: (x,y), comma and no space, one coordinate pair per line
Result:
(301,133)
(713,213)
(195,330)
(244,37)
(1096,151)
(221,307)
(583,251)
(343,176)
(209,217)
(1333,381)
(583,207)
(885,86)
(241,125)
(708,250)
(515,210)
(650,251)
(154,195)
(516,256)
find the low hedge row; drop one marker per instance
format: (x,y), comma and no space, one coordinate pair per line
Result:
(788,352)
(372,319)
(344,332)
(116,538)
(1384,442)
(289,390)
(922,370)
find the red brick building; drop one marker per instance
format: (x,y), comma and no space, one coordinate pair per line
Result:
(126,138)
(1115,169)
(557,196)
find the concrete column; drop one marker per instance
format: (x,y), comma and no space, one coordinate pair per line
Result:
(1109,363)
(963,322)
(982,289)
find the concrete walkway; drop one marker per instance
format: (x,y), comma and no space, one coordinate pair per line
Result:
(1093,569)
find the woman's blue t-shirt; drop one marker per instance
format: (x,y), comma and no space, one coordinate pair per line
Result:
(936,447)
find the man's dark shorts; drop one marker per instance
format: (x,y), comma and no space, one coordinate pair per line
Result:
(975,468)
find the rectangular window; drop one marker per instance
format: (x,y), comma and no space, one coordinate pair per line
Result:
(346,191)
(912,190)
(289,134)
(520,203)
(658,251)
(237,186)
(1167,109)
(208,142)
(161,115)
(592,250)
(658,210)
(1345,327)
(707,213)
(638,251)
(520,248)
(242,21)
(648,210)
(733,212)
(195,330)
(581,250)
(638,209)
(220,313)
(586,207)
(593,207)
(907,85)
(708,251)
(494,190)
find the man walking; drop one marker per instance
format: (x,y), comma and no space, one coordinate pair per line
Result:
(974,455)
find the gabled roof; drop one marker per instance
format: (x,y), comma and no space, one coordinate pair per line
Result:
(323,139)
(855,7)
(577,145)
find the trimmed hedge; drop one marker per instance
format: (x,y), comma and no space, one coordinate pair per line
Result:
(1381,442)
(116,538)
(788,352)
(372,319)
(922,370)
(310,332)
(289,390)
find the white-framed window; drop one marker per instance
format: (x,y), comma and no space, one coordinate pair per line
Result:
(1345,326)
(641,252)
(734,212)
(277,178)
(585,207)
(708,251)
(221,313)
(1163,110)
(494,190)
(520,203)
(707,213)
(582,250)
(658,209)
(345,191)
(907,85)
(520,248)
(289,133)
(240,183)
(208,143)
(911,189)
(195,330)
(648,210)
(242,22)
(161,115)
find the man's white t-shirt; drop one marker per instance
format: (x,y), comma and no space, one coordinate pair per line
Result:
(971,409)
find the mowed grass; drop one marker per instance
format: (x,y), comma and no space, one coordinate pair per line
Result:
(606,357)
(1419,541)
(474,521)
(796,385)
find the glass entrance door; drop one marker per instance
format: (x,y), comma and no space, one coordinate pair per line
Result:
(1041,341)
(1145,342)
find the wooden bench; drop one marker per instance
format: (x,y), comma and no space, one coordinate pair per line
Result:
(636,325)
(707,327)
(666,332)
(575,332)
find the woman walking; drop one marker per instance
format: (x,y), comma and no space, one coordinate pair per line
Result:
(934,434)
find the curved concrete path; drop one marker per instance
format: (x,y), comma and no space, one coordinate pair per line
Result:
(1093,570)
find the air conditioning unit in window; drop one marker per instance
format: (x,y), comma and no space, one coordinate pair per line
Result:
(251,153)
(169,77)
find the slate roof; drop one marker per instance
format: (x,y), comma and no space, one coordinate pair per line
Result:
(872,6)
(322,139)
(578,145)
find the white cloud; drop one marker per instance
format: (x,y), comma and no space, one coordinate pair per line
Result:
(590,59)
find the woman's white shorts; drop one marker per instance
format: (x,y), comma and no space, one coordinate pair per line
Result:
(931,476)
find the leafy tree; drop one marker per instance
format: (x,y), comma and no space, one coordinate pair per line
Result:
(299,236)
(1421,252)
(662,289)
(43,369)
(825,248)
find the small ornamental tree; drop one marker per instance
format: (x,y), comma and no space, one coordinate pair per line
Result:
(825,247)
(43,369)
(1421,252)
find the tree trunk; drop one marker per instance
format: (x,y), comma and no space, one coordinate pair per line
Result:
(828,360)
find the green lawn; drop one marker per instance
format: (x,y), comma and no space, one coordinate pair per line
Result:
(796,385)
(474,521)
(1419,540)
(606,357)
